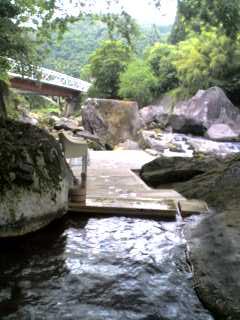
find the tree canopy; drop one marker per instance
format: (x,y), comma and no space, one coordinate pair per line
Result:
(138,82)
(192,15)
(106,64)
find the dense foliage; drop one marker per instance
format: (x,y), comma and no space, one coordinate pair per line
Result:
(106,64)
(192,15)
(207,59)
(138,82)
(70,53)
(161,59)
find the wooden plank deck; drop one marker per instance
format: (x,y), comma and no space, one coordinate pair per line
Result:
(113,188)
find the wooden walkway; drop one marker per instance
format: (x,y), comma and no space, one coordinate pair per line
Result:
(114,188)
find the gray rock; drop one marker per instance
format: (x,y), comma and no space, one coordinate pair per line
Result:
(221,132)
(148,139)
(213,250)
(185,125)
(113,121)
(65,124)
(154,116)
(34,179)
(209,107)
(211,178)
(165,171)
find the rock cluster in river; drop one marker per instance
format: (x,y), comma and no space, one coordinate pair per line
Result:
(34,178)
(208,111)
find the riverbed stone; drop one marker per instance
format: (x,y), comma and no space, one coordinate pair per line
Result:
(113,121)
(221,132)
(34,179)
(154,116)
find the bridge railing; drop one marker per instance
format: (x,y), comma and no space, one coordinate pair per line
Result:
(52,77)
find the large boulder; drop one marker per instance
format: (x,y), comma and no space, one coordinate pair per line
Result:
(34,179)
(214,179)
(113,121)
(154,116)
(213,251)
(206,108)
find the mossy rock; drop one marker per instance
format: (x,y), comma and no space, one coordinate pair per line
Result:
(34,178)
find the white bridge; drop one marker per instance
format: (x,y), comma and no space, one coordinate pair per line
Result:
(47,82)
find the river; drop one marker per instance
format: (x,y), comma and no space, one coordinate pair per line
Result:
(99,269)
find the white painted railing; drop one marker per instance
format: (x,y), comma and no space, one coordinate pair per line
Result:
(52,77)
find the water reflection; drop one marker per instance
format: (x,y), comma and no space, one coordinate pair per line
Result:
(113,268)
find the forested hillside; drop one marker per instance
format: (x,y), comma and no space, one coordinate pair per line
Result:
(72,52)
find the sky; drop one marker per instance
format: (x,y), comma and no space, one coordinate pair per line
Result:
(144,12)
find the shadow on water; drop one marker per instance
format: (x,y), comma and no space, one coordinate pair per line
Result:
(27,262)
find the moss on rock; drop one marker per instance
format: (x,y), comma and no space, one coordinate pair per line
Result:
(25,152)
(34,178)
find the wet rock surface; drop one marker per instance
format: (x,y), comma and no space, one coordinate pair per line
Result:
(181,145)
(97,269)
(213,246)
(34,178)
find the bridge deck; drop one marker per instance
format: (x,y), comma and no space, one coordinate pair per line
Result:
(114,188)
(48,82)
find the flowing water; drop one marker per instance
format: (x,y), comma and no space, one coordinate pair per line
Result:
(99,269)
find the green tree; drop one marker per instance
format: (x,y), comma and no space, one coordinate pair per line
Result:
(192,15)
(160,57)
(207,59)
(106,64)
(138,82)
